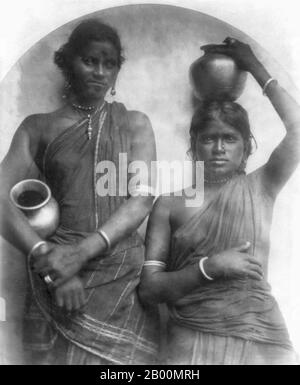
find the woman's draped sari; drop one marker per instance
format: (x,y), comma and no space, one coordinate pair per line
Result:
(245,308)
(112,325)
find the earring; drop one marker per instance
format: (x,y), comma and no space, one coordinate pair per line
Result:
(242,166)
(113,91)
(67,88)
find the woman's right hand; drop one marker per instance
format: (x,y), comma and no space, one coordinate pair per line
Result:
(234,263)
(237,50)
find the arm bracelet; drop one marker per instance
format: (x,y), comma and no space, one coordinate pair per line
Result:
(36,246)
(105,237)
(268,82)
(201,267)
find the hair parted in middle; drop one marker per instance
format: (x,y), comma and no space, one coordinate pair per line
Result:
(87,31)
(228,112)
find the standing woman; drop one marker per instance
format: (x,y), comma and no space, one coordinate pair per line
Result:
(82,307)
(210,264)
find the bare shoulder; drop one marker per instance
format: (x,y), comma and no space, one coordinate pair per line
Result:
(170,202)
(37,123)
(139,124)
(32,124)
(171,209)
(262,183)
(37,130)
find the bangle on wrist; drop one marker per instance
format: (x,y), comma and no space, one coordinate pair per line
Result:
(159,264)
(201,267)
(267,83)
(105,238)
(36,246)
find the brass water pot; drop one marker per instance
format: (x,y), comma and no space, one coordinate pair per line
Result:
(217,77)
(33,197)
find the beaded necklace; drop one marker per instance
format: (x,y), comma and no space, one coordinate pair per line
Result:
(92,110)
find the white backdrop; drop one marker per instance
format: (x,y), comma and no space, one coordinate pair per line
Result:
(273,24)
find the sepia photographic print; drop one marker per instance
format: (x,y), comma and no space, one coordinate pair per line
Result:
(149,184)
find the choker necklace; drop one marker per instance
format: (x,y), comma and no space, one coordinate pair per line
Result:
(89,109)
(219,181)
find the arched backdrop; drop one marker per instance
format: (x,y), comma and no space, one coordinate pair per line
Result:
(160,42)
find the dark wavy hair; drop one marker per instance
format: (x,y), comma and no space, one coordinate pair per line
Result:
(228,112)
(87,31)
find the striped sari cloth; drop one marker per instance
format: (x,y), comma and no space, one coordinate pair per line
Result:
(112,327)
(227,316)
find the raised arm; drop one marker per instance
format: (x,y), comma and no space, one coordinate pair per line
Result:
(286,156)
(17,165)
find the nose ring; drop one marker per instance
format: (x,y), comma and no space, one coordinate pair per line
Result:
(230,41)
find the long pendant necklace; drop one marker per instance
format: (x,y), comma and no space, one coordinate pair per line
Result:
(96,154)
(91,112)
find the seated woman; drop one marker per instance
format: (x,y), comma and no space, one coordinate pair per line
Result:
(83,306)
(209,264)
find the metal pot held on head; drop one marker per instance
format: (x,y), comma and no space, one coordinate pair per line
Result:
(217,77)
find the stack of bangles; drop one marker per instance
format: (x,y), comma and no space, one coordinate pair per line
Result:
(160,264)
(105,238)
(47,279)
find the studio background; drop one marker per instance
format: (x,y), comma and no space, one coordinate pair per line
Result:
(160,42)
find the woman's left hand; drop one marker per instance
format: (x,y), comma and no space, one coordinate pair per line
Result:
(60,263)
(70,295)
(240,52)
